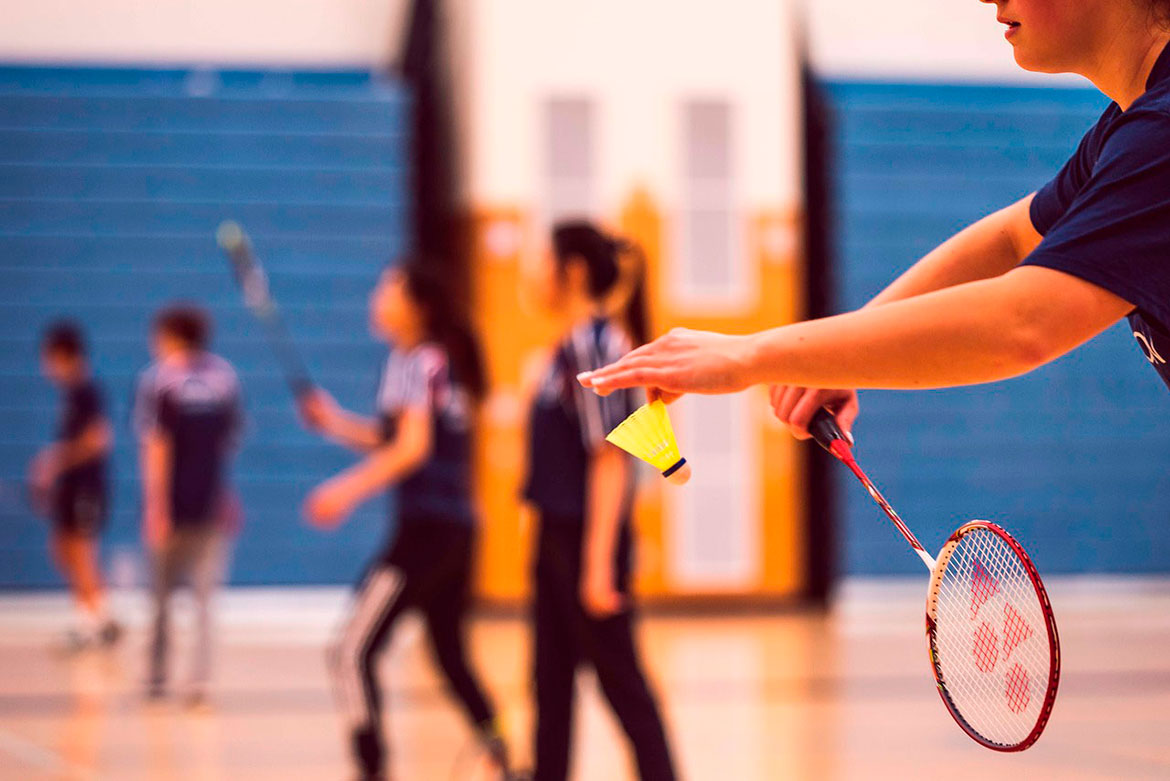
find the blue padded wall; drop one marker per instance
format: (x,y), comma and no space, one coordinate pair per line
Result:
(1072,458)
(112,182)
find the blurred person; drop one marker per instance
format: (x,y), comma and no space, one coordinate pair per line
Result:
(582,490)
(69,481)
(1010,293)
(187,415)
(420,443)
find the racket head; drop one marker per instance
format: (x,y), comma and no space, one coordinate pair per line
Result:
(992,638)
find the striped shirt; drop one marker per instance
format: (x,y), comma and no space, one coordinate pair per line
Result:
(421,379)
(568,423)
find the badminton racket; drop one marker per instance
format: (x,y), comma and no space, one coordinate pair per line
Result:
(249,273)
(990,629)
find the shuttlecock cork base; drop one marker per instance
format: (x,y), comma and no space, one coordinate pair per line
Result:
(648,435)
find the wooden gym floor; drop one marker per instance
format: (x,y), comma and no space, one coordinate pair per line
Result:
(846,695)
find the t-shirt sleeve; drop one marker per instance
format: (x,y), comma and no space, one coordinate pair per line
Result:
(1053,199)
(598,415)
(1115,232)
(409,380)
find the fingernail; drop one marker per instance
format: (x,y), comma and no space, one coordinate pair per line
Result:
(583,377)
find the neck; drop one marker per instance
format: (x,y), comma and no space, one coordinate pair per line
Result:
(182,358)
(408,341)
(1123,63)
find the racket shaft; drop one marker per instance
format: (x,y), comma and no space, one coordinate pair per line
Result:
(829,435)
(291,363)
(847,458)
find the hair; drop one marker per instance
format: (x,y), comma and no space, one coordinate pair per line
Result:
(445,322)
(64,338)
(615,270)
(187,323)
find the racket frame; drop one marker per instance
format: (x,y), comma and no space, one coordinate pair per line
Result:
(932,594)
(829,436)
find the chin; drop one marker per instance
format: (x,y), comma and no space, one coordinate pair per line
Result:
(1033,63)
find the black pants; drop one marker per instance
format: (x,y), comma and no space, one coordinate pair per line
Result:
(427,568)
(566,636)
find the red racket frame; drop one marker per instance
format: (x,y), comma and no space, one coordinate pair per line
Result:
(1049,620)
(828,435)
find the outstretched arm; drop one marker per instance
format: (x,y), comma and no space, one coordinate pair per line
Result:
(992,246)
(332,501)
(322,414)
(963,335)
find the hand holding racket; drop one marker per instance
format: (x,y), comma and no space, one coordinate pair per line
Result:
(991,633)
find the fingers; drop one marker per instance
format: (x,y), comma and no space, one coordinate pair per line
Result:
(785,400)
(637,377)
(847,414)
(658,394)
(802,414)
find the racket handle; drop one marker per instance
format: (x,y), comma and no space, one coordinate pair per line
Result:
(824,429)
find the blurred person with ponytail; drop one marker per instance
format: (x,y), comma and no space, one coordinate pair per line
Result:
(582,489)
(420,443)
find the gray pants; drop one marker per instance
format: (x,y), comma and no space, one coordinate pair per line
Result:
(195,556)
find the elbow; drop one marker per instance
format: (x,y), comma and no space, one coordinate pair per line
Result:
(1031,344)
(415,457)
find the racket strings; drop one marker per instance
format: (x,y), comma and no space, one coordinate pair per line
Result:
(992,647)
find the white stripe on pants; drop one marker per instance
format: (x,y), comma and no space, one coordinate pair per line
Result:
(377,597)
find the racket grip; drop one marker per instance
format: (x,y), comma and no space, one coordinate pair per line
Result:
(824,429)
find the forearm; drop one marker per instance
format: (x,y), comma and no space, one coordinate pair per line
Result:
(380,469)
(354,431)
(967,334)
(992,246)
(606,482)
(93,443)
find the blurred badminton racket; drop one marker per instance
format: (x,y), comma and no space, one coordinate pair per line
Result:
(249,273)
(990,629)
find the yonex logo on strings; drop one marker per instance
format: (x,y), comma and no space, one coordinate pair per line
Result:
(986,640)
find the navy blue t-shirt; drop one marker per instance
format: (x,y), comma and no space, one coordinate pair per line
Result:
(422,379)
(197,407)
(1106,216)
(83,408)
(569,423)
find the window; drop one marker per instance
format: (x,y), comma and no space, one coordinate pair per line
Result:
(569,159)
(715,541)
(710,267)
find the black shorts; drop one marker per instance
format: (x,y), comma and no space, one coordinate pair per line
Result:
(79,512)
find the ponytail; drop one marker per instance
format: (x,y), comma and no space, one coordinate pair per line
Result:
(616,272)
(628,299)
(447,325)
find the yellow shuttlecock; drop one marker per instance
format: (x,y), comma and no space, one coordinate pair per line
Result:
(648,435)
